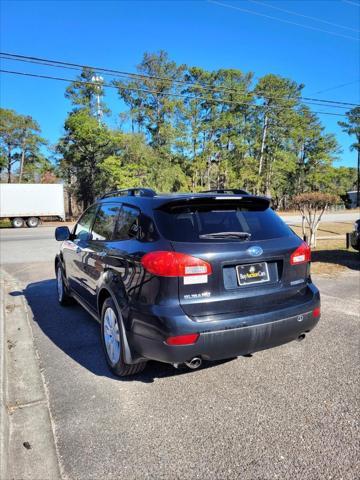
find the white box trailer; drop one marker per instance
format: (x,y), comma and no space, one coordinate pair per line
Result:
(28,202)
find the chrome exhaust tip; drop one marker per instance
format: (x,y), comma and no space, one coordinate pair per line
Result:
(301,337)
(194,363)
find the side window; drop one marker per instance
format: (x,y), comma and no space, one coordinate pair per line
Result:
(105,221)
(127,224)
(148,232)
(83,227)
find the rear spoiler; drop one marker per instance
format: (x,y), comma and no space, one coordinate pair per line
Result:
(204,200)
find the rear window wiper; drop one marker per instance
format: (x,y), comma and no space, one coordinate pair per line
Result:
(237,235)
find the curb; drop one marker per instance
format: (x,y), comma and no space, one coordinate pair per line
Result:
(4,415)
(29,446)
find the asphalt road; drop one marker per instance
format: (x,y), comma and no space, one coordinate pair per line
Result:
(327,217)
(289,412)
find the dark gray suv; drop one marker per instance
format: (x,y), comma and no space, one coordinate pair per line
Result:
(184,278)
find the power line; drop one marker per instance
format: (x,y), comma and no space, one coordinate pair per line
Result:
(327,103)
(336,87)
(74,66)
(127,75)
(252,12)
(105,71)
(316,19)
(336,105)
(261,107)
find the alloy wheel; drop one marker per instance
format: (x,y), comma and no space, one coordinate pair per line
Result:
(111,335)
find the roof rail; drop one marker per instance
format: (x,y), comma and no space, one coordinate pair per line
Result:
(131,192)
(234,191)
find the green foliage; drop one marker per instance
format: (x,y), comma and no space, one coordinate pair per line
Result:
(133,163)
(153,108)
(20,145)
(34,171)
(136,164)
(352,126)
(228,135)
(83,92)
(342,180)
(190,129)
(83,147)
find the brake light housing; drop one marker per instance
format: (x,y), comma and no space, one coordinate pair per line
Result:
(188,339)
(174,264)
(301,255)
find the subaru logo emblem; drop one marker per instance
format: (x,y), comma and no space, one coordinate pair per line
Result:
(255,251)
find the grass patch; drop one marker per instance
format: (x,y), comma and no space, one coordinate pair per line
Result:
(328,229)
(5,224)
(331,257)
(330,263)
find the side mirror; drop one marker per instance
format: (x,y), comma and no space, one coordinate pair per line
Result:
(62,233)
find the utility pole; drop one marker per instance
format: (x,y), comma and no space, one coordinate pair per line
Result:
(98,82)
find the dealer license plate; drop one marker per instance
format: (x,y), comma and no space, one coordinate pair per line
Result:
(252,273)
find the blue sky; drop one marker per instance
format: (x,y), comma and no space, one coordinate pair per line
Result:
(115,34)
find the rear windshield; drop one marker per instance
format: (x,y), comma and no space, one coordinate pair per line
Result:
(190,224)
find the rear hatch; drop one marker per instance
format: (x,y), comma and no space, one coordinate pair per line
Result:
(248,248)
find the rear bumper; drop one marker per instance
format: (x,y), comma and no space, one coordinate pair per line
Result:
(230,338)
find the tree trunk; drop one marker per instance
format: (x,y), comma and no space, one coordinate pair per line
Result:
(208,174)
(22,161)
(194,145)
(299,183)
(9,168)
(268,177)
(70,212)
(312,238)
(263,142)
(303,225)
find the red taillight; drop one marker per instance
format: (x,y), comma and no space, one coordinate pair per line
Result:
(174,264)
(301,255)
(316,312)
(188,339)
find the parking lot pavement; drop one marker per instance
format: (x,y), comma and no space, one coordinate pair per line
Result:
(289,412)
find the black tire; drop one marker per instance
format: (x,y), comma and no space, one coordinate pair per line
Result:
(117,366)
(32,222)
(17,222)
(64,297)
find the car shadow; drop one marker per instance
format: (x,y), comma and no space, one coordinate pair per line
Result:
(346,258)
(77,334)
